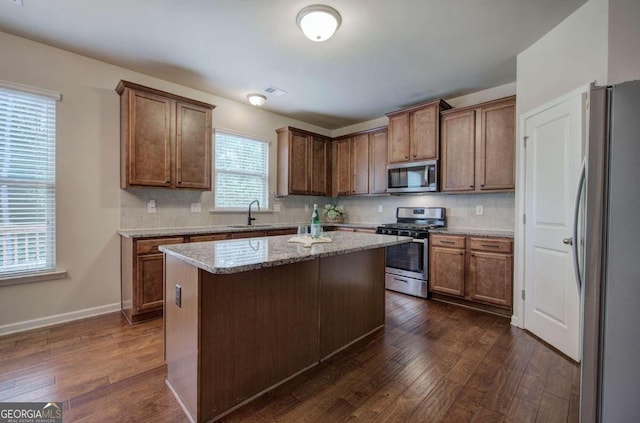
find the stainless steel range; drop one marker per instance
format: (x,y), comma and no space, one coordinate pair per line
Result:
(407,266)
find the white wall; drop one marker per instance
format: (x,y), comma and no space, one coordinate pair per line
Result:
(88,165)
(624,41)
(572,54)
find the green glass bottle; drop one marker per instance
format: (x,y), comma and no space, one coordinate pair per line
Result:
(315,222)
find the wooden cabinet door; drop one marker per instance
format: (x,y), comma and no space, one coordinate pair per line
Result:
(319,166)
(299,163)
(424,133)
(342,169)
(458,151)
(447,269)
(360,164)
(150,282)
(491,278)
(149,155)
(193,146)
(496,158)
(378,162)
(399,143)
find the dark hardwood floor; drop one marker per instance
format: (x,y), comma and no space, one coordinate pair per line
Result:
(432,362)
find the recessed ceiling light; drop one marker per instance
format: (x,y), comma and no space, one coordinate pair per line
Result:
(318,22)
(256,99)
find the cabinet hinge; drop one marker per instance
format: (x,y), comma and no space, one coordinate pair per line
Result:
(523,295)
(525,138)
(524,219)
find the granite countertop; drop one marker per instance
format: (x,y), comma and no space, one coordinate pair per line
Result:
(240,255)
(473,232)
(197,230)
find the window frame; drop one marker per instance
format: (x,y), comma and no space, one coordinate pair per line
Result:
(50,271)
(264,208)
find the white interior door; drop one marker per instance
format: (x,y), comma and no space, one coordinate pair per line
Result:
(553,156)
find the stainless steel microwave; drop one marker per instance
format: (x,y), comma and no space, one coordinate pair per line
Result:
(413,177)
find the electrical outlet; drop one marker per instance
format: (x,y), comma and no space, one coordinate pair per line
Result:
(479,210)
(196,207)
(151,206)
(17,2)
(179,295)
(380,208)
(306,207)
(276,207)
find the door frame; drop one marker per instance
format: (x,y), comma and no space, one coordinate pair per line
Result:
(517,319)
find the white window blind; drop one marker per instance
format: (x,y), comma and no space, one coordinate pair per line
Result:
(241,166)
(27,182)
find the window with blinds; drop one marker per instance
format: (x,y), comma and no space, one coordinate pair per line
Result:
(241,170)
(27,182)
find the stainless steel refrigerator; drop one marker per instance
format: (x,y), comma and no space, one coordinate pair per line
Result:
(610,382)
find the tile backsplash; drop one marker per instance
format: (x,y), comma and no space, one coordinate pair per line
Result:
(173,209)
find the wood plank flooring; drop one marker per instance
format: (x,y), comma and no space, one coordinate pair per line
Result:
(432,362)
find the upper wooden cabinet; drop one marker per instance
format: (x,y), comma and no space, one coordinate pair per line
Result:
(360,163)
(378,161)
(341,167)
(414,133)
(304,163)
(165,139)
(478,147)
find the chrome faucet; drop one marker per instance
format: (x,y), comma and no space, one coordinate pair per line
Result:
(249,218)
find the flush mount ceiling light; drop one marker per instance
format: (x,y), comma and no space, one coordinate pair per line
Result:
(257,99)
(318,22)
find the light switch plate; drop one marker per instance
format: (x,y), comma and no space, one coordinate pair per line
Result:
(276,207)
(306,207)
(380,208)
(479,210)
(196,207)
(151,206)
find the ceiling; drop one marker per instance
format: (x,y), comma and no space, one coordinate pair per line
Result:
(385,56)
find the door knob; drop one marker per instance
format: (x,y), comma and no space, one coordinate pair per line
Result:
(568,241)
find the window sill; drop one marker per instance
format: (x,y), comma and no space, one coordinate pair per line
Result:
(33,277)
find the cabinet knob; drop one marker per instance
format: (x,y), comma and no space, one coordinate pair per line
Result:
(461,254)
(482,185)
(406,157)
(168,181)
(470,186)
(415,155)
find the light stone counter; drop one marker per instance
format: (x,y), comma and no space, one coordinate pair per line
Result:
(473,232)
(240,255)
(198,230)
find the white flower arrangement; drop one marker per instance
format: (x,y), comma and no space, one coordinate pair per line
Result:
(333,212)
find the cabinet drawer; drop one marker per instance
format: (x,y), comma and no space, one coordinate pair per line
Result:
(275,232)
(252,234)
(209,237)
(148,246)
(498,245)
(448,241)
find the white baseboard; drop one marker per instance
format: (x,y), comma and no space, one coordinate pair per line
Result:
(515,321)
(58,318)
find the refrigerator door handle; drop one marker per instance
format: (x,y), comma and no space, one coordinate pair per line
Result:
(576,216)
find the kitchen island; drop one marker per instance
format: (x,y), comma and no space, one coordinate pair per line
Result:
(243,316)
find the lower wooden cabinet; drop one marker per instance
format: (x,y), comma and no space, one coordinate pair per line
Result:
(474,270)
(142,269)
(141,276)
(447,271)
